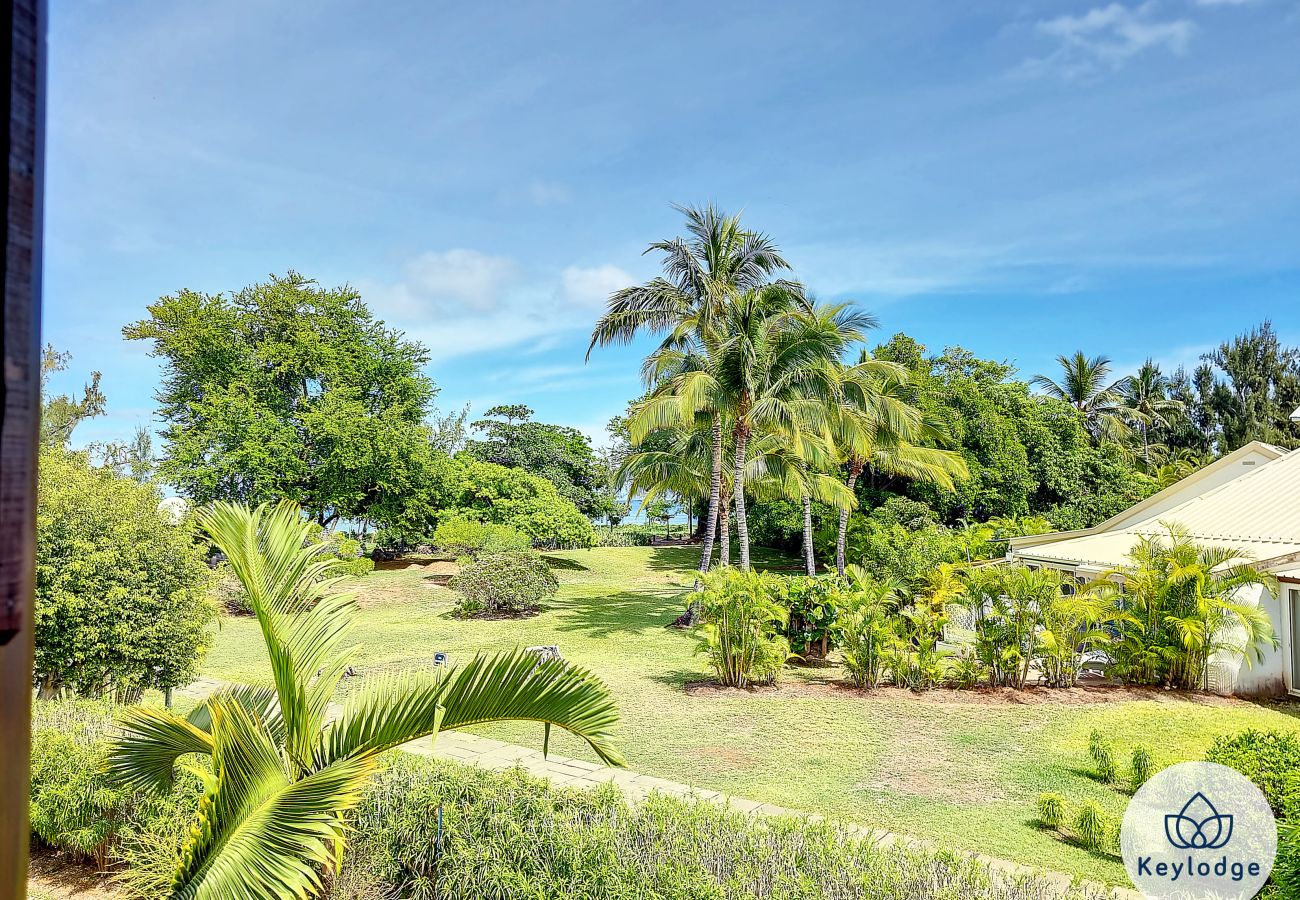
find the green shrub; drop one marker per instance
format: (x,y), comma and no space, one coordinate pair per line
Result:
(1286,871)
(1092,826)
(357,566)
(741,620)
(72,806)
(1051,810)
(1271,759)
(811,606)
(121,590)
(1142,768)
(864,610)
(1103,758)
(509,583)
(462,536)
(508,835)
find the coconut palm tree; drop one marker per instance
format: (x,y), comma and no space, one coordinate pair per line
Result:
(702,272)
(285,770)
(875,425)
(1145,400)
(1084,386)
(776,363)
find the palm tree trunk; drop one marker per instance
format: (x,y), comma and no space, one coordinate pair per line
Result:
(809,562)
(715,494)
(855,469)
(738,482)
(724,535)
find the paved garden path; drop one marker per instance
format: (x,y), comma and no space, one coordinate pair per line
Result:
(564,771)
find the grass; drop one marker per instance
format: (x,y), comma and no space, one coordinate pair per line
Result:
(965,774)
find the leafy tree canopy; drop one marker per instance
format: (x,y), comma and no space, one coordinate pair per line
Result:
(61,413)
(561,455)
(287,390)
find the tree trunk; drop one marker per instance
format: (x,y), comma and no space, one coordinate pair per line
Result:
(809,562)
(855,469)
(724,536)
(715,495)
(738,483)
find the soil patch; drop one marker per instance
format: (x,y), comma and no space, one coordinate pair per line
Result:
(1030,696)
(56,875)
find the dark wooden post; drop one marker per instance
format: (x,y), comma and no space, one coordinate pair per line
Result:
(24,143)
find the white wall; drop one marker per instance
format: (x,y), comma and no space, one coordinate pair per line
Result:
(1266,677)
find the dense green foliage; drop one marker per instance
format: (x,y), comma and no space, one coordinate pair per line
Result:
(121,591)
(74,808)
(504,582)
(466,489)
(561,455)
(289,391)
(1271,759)
(462,536)
(741,623)
(509,835)
(1176,606)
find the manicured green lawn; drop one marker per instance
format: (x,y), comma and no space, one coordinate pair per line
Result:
(947,766)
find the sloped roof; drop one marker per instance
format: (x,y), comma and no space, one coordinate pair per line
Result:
(1258,512)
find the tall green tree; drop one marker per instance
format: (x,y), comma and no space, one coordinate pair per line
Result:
(561,455)
(285,771)
(717,260)
(875,425)
(1258,390)
(287,390)
(1085,384)
(61,413)
(1146,402)
(776,366)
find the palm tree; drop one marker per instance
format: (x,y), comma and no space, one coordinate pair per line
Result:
(719,260)
(1145,400)
(1178,608)
(876,426)
(284,772)
(776,364)
(1083,385)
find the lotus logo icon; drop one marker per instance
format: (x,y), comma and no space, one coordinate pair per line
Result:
(1198,825)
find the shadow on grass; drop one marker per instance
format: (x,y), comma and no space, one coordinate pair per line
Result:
(568,565)
(680,678)
(625,612)
(687,559)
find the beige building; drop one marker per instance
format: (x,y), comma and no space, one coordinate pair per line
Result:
(1249,500)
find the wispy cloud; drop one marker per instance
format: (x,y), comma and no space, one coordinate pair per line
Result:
(591,287)
(464,301)
(1105,38)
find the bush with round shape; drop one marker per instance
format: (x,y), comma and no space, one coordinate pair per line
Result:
(465,536)
(510,583)
(1271,759)
(121,590)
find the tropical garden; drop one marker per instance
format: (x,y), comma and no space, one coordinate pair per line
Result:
(224,679)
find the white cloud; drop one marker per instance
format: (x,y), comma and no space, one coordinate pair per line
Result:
(459,277)
(1105,38)
(591,287)
(462,301)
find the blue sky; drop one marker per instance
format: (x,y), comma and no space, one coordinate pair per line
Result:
(1022,178)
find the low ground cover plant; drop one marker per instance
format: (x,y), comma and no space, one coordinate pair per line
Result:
(428,829)
(508,583)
